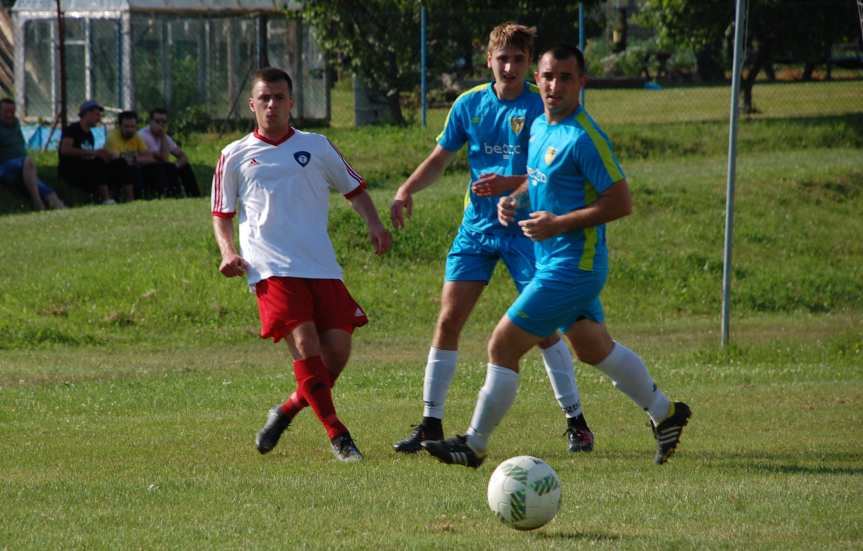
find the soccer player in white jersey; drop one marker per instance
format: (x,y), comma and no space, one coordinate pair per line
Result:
(575,186)
(494,121)
(278,179)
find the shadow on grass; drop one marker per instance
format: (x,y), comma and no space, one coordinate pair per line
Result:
(579,536)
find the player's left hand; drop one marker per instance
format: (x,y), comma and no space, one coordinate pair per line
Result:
(381,239)
(490,184)
(541,225)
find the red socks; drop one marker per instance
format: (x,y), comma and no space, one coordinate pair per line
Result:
(314,382)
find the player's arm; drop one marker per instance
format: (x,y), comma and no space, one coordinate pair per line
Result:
(490,184)
(507,205)
(232,263)
(365,207)
(425,175)
(613,203)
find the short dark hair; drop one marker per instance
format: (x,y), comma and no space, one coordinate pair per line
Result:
(273,74)
(124,115)
(157,111)
(565,51)
(10,101)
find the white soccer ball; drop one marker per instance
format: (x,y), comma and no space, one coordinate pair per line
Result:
(524,492)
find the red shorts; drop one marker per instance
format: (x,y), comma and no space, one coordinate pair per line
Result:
(285,302)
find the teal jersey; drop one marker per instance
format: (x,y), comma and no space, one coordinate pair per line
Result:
(569,165)
(496,132)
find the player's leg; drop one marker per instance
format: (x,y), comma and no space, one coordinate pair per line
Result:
(594,345)
(517,254)
(470,264)
(31,183)
(507,345)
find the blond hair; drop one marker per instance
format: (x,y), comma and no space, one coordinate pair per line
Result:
(511,34)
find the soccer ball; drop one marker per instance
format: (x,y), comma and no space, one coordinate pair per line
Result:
(524,492)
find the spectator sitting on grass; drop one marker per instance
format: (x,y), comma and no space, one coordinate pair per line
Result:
(16,168)
(160,144)
(128,154)
(81,164)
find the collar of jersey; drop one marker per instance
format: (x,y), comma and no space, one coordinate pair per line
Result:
(280,141)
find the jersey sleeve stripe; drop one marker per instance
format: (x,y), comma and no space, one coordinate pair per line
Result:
(357,190)
(350,169)
(217,184)
(602,146)
(591,234)
(473,90)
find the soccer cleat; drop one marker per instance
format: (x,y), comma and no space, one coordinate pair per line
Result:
(420,432)
(667,433)
(345,450)
(580,440)
(268,436)
(454,451)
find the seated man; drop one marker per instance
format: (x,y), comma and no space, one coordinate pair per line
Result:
(160,144)
(128,155)
(81,164)
(16,168)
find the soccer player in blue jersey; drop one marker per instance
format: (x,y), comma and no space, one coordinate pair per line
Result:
(575,185)
(494,121)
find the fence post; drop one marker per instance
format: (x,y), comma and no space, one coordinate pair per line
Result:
(423,61)
(581,94)
(739,26)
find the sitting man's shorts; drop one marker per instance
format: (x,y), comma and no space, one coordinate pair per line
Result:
(548,303)
(473,257)
(10,171)
(286,302)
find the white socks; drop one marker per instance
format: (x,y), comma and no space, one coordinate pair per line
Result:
(629,375)
(439,373)
(559,367)
(495,398)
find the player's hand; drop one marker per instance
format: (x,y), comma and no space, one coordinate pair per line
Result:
(233,266)
(381,239)
(506,208)
(541,225)
(402,203)
(490,184)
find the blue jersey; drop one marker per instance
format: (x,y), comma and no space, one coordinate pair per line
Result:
(569,164)
(496,132)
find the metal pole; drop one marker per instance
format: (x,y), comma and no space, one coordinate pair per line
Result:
(581,42)
(423,62)
(61,50)
(739,26)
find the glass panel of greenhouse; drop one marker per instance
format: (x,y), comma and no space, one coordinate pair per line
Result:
(178,54)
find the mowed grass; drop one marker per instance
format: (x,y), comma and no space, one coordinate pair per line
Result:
(132,381)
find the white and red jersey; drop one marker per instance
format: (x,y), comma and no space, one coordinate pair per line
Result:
(282,192)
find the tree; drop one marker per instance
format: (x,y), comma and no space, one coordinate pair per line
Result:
(777,30)
(379,39)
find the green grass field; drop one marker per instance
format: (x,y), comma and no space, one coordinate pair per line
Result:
(132,381)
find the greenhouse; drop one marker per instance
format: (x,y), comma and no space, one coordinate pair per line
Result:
(178,54)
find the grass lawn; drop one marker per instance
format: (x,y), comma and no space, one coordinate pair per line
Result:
(132,381)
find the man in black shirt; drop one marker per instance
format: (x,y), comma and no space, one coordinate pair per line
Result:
(81,164)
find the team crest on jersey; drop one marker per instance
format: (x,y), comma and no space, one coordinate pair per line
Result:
(303,157)
(253,162)
(474,120)
(517,124)
(549,155)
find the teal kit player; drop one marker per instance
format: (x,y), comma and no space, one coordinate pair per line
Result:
(494,121)
(575,186)
(571,163)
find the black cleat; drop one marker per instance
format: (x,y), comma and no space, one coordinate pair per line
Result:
(667,433)
(454,451)
(580,440)
(268,436)
(345,450)
(426,430)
